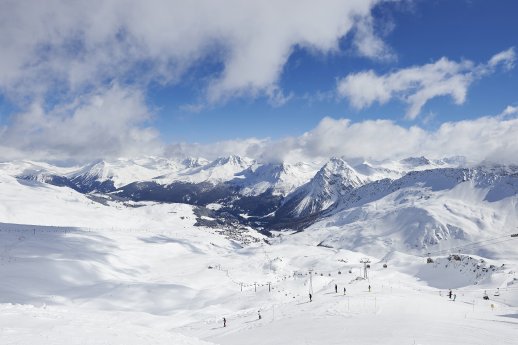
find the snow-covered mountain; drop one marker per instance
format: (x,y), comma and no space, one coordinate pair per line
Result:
(331,183)
(106,176)
(199,171)
(295,196)
(38,171)
(376,172)
(280,179)
(425,211)
(169,271)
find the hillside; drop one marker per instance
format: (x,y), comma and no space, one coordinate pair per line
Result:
(165,272)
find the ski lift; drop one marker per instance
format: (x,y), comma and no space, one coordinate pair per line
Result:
(384,265)
(486,297)
(497,292)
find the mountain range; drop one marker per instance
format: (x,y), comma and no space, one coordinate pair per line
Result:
(417,201)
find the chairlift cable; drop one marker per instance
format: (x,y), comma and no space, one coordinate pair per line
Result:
(475,244)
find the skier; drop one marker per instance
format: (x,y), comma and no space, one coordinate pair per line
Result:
(486,297)
(259,314)
(224,322)
(336,288)
(344,291)
(449,294)
(369,288)
(310,298)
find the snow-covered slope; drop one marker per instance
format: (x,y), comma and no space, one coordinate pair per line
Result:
(120,172)
(220,170)
(376,172)
(280,179)
(37,171)
(425,212)
(175,286)
(396,169)
(326,188)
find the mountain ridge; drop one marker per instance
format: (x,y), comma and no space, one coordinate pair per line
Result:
(280,196)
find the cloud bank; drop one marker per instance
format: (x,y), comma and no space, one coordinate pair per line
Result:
(419,84)
(106,123)
(109,124)
(486,139)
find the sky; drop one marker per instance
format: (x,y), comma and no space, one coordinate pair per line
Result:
(284,80)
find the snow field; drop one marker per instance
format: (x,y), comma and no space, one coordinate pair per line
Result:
(128,287)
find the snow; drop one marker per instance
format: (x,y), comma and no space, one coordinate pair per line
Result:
(281,179)
(329,184)
(98,286)
(122,171)
(220,170)
(75,271)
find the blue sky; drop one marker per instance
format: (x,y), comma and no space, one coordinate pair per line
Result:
(422,32)
(108,78)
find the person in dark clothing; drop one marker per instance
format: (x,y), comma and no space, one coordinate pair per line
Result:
(449,294)
(336,288)
(310,298)
(344,291)
(259,314)
(369,288)
(224,322)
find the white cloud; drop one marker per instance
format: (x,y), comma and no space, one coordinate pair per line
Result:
(506,58)
(73,43)
(56,52)
(419,84)
(509,110)
(370,45)
(250,147)
(112,123)
(490,138)
(107,123)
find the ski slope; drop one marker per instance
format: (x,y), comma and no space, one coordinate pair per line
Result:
(130,286)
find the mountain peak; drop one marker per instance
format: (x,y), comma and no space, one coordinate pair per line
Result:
(232,160)
(338,171)
(192,162)
(416,161)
